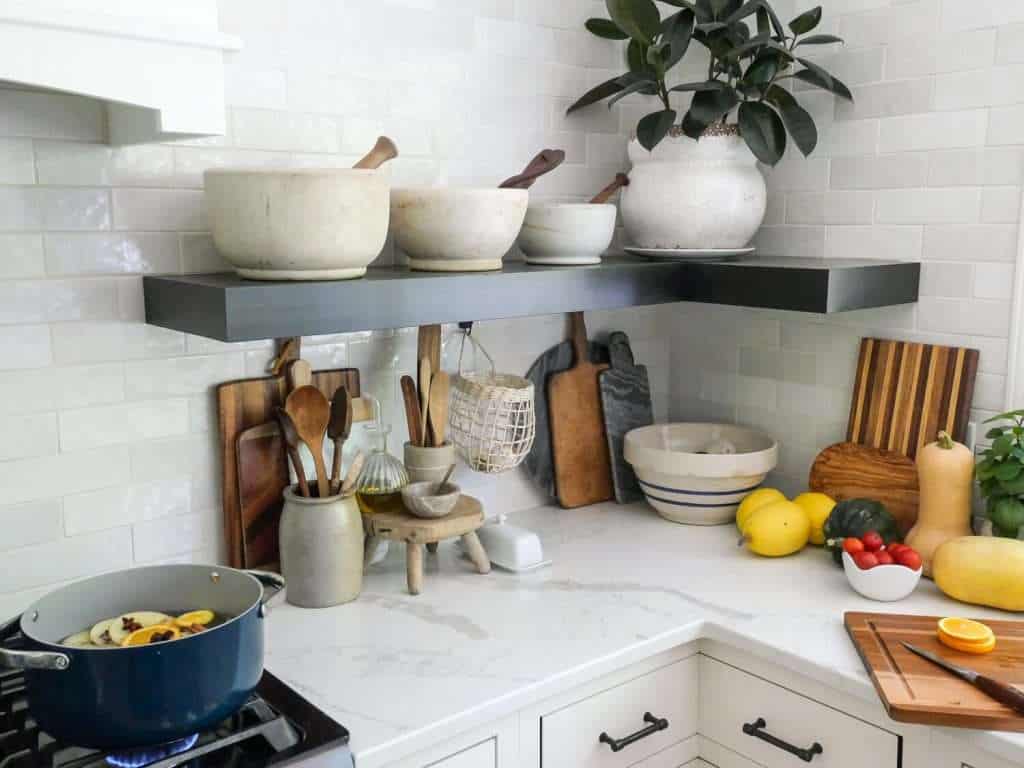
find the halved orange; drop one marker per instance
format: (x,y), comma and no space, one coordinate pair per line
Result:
(202,618)
(148,635)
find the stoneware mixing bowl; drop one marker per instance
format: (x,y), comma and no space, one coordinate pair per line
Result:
(567,233)
(298,224)
(456,229)
(699,473)
(427,500)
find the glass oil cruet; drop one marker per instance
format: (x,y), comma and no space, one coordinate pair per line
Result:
(379,486)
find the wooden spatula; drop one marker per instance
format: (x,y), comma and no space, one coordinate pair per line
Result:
(582,467)
(413,416)
(382,151)
(439,389)
(311,413)
(621,180)
(425,373)
(300,374)
(545,162)
(338,430)
(291,441)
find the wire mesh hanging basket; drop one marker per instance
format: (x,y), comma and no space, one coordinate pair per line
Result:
(491,416)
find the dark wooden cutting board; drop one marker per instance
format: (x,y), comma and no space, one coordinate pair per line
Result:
(250,403)
(262,475)
(626,404)
(850,471)
(539,463)
(905,392)
(583,473)
(916,691)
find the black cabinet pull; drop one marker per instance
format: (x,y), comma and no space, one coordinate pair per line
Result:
(754,729)
(617,745)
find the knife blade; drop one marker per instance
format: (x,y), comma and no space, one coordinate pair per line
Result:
(1005,694)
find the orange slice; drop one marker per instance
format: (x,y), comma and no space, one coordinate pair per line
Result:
(959,645)
(202,618)
(148,635)
(965,630)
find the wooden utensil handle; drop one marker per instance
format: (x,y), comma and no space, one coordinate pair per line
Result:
(578,335)
(621,180)
(300,473)
(382,151)
(1001,692)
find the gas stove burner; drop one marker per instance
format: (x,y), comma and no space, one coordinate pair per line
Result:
(136,758)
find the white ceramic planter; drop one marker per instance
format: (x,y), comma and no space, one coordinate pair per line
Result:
(567,233)
(301,224)
(693,194)
(454,229)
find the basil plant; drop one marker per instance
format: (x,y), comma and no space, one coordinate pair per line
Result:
(751,53)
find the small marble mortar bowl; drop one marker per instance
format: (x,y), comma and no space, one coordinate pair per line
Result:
(426,500)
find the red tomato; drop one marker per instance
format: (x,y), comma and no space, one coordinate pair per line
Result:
(865,560)
(872,541)
(909,558)
(895,548)
(883,557)
(853,545)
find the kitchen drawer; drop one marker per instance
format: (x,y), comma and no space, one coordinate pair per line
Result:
(570,735)
(731,698)
(481,756)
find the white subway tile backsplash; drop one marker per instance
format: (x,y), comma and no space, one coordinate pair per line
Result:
(264,129)
(980,88)
(879,171)
(24,346)
(976,167)
(974,242)
(109,253)
(37,301)
(33,523)
(21,256)
(75,209)
(874,242)
(17,164)
(935,130)
(892,24)
(166,537)
(917,57)
(943,278)
(29,434)
(49,115)
(847,207)
(993,281)
(990,392)
(1000,205)
(928,206)
(48,477)
(181,376)
(125,505)
(849,137)
(797,173)
(123,423)
(1006,125)
(68,559)
(902,97)
(957,16)
(964,316)
(20,208)
(1010,44)
(159,209)
(791,241)
(97,342)
(46,389)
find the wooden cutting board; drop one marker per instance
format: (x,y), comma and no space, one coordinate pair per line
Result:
(539,463)
(262,475)
(905,392)
(251,403)
(626,404)
(851,471)
(583,473)
(916,691)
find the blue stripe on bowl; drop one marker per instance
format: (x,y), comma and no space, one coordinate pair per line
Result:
(699,493)
(692,504)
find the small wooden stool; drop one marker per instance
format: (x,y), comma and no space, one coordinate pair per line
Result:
(463,521)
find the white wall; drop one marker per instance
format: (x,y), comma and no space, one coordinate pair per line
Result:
(109,454)
(926,164)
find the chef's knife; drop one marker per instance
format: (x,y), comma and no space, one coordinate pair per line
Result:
(1001,692)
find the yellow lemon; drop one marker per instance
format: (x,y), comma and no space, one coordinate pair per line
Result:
(818,506)
(756,500)
(777,529)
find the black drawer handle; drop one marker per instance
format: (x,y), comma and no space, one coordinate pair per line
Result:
(617,745)
(754,729)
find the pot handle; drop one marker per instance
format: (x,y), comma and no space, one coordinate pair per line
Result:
(274,581)
(11,659)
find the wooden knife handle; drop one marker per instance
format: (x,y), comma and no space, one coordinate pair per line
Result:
(1001,692)
(578,333)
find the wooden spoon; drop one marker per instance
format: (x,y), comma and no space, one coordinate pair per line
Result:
(439,388)
(425,376)
(291,440)
(311,413)
(300,374)
(413,415)
(338,430)
(444,480)
(621,180)
(546,161)
(382,151)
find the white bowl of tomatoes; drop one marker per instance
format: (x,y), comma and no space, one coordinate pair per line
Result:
(880,571)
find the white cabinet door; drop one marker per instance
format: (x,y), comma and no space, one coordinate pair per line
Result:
(481,756)
(947,752)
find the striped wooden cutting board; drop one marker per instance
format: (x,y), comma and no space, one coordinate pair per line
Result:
(905,392)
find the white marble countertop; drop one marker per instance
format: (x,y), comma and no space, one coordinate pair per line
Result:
(403,672)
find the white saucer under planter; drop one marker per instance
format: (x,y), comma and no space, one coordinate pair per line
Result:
(567,234)
(457,229)
(686,476)
(298,224)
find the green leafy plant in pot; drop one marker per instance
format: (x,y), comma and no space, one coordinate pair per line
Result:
(745,70)
(1000,474)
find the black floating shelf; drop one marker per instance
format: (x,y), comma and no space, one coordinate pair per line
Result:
(228,308)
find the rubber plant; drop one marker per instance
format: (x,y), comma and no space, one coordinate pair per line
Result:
(745,70)
(1000,474)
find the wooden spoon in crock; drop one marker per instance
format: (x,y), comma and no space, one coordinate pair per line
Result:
(311,413)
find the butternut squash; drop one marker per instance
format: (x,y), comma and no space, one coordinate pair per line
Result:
(982,570)
(945,474)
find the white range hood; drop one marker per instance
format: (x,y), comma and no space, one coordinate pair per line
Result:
(158,65)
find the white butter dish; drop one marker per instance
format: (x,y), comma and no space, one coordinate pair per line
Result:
(512,548)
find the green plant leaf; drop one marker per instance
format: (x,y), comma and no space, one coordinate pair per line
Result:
(718,7)
(605,28)
(762,69)
(596,94)
(797,120)
(1013,487)
(702,8)
(763,131)
(1008,514)
(995,432)
(654,127)
(639,19)
(1002,446)
(763,23)
(706,85)
(636,56)
(678,32)
(1008,470)
(712,26)
(752,48)
(806,21)
(708,106)
(692,127)
(818,40)
(641,85)
(815,75)
(751,7)
(680,3)
(1008,416)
